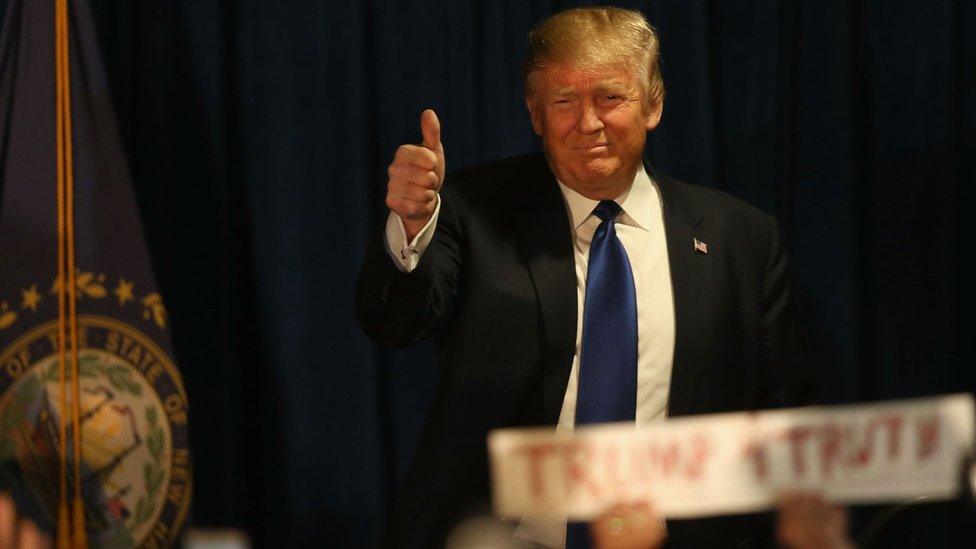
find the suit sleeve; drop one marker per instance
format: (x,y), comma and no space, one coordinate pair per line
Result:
(788,382)
(397,308)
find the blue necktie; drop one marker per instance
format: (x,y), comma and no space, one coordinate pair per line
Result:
(608,363)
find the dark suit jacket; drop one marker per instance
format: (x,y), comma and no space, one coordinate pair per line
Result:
(497,288)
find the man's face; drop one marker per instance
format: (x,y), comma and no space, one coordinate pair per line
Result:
(593,125)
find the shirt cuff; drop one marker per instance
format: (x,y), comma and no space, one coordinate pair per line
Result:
(405,254)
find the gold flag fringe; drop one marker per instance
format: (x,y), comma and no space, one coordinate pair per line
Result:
(71,534)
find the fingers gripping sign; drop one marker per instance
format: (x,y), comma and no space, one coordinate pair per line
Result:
(416,175)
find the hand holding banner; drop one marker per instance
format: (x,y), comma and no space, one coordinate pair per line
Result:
(734,463)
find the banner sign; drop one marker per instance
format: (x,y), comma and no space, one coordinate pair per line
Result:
(738,462)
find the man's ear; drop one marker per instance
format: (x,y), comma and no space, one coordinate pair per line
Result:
(535,114)
(654,115)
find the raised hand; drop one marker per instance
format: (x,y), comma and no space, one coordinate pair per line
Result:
(807,521)
(17,532)
(416,175)
(628,526)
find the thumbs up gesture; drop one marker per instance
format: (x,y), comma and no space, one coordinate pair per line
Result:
(416,175)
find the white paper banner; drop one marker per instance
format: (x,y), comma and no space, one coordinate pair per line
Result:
(734,463)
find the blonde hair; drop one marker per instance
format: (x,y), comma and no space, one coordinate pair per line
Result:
(596,38)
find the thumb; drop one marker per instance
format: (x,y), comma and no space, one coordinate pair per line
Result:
(430,127)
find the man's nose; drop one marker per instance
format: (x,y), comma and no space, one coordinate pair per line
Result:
(589,118)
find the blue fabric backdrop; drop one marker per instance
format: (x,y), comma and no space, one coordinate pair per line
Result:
(259,134)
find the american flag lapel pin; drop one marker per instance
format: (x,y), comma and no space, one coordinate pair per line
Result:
(701,247)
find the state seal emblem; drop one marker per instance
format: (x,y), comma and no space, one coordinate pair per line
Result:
(136,472)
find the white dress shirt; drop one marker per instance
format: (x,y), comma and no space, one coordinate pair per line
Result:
(406,254)
(640,228)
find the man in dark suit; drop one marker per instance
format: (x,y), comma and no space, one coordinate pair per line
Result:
(574,287)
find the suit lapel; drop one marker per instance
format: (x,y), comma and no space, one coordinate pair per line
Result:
(547,245)
(691,284)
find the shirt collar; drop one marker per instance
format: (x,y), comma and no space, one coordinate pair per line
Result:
(638,202)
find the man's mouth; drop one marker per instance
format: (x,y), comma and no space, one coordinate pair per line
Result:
(594,146)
